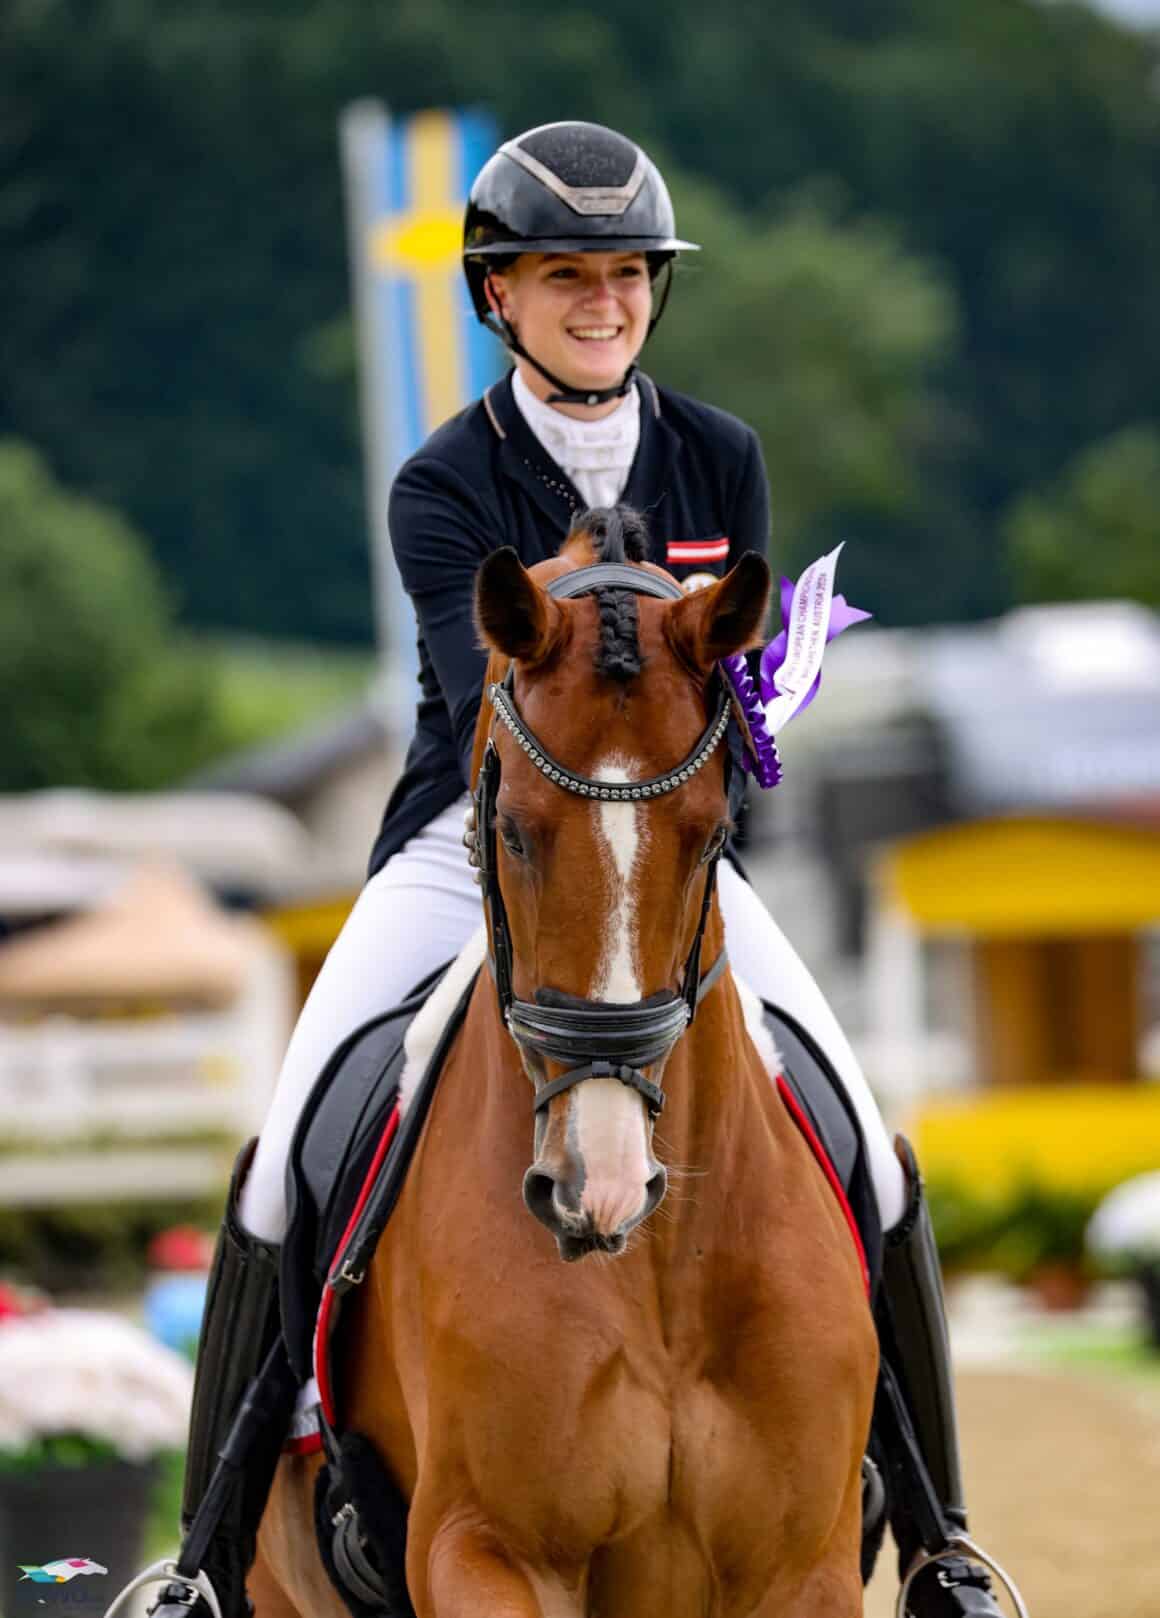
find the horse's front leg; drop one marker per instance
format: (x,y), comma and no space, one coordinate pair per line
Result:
(832,1588)
(462,1568)
(827,1594)
(288,1579)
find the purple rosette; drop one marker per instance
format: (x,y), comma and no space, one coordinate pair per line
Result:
(759,757)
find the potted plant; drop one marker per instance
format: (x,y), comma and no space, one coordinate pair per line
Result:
(1043,1244)
(1124,1237)
(88,1405)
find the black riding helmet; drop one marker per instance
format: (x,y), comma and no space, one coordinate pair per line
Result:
(567,188)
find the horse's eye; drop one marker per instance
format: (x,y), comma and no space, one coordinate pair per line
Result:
(715,844)
(510,837)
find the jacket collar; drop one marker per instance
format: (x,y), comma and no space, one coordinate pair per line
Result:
(525,461)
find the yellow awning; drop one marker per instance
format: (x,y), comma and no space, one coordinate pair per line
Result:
(1028,877)
(1067,1139)
(311,927)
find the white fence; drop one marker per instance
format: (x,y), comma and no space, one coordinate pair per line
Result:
(94,1110)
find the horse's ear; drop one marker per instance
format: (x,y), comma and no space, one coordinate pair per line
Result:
(515,615)
(722,618)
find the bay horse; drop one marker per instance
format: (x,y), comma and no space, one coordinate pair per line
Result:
(673,1427)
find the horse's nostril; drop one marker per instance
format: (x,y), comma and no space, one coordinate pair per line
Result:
(538,1189)
(655,1189)
(554,1201)
(566,1198)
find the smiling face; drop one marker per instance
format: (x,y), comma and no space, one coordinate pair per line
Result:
(584,316)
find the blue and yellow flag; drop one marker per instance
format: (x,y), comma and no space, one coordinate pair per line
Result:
(440,357)
(422,353)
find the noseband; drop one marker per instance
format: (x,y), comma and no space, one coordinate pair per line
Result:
(604,1040)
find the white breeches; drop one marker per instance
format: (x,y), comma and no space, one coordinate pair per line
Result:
(419,911)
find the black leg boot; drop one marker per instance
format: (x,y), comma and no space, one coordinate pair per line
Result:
(243,1397)
(916,1416)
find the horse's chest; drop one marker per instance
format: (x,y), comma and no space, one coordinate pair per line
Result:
(642,1454)
(705,1518)
(684,1439)
(724,1450)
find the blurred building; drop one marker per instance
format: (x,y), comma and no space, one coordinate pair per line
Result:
(335,780)
(142,1018)
(988,801)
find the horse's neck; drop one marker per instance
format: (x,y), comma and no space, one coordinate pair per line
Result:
(715,1080)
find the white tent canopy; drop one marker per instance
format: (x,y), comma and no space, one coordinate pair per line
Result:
(159,941)
(230,840)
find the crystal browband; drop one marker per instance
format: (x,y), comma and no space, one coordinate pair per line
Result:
(560,776)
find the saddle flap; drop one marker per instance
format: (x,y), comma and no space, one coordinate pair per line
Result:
(332,1150)
(822,1098)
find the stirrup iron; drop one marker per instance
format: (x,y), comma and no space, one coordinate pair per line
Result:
(959,1545)
(165,1572)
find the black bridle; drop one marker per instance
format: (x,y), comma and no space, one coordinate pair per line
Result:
(603,1039)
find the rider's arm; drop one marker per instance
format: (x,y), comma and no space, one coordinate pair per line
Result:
(749,528)
(749,531)
(440,533)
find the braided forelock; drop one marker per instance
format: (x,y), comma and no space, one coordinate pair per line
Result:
(618,654)
(616,534)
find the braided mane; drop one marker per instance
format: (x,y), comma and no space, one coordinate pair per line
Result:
(616,534)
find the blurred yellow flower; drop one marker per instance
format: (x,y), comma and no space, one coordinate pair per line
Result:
(1080,1139)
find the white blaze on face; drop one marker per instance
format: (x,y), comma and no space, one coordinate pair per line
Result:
(608,1120)
(618,836)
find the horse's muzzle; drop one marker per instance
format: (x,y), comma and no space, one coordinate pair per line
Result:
(555,1198)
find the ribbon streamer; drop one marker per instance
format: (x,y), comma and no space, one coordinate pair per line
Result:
(790,667)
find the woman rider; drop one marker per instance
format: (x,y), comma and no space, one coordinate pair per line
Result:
(569,239)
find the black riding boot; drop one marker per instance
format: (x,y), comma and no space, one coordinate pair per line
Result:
(243,1397)
(912,1332)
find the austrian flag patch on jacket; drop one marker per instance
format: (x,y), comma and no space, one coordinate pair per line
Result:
(683,551)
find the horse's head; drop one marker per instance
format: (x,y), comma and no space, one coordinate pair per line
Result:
(601,810)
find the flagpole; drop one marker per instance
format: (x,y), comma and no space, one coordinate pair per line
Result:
(365,133)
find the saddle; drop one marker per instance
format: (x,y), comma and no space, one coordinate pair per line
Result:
(349,1158)
(348,1164)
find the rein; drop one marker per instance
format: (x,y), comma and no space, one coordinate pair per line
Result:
(604,1040)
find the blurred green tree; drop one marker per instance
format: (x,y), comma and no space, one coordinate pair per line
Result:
(1094,534)
(171,239)
(173,260)
(92,693)
(833,342)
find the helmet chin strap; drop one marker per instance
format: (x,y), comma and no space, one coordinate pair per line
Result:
(565,393)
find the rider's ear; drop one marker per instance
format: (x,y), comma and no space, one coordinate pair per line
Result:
(494,288)
(513,613)
(723,618)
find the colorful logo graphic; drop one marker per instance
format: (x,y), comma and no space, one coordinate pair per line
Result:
(60,1572)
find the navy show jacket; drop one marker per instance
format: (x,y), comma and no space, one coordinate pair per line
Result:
(482,481)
